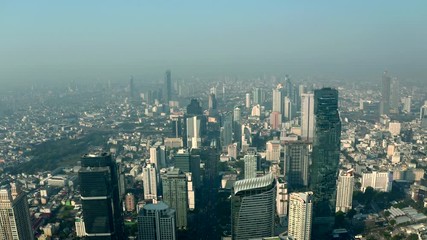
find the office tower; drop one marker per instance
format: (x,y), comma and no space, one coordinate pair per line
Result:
(248,100)
(296,163)
(394,95)
(300,215)
(212,104)
(345,185)
(407,101)
(100,196)
(288,87)
(227,129)
(307,116)
(155,155)
(162,156)
(281,197)
(275,120)
(131,89)
(273,150)
(250,160)
(193,132)
(288,110)
(423,115)
(277,99)
(385,94)
(256,96)
(237,131)
(188,163)
(15,221)
(253,207)
(194,108)
(175,194)
(130,202)
(380,181)
(167,93)
(190,191)
(156,222)
(326,150)
(149,179)
(177,125)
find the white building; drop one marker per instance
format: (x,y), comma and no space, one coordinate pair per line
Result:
(345,186)
(193,132)
(307,116)
(394,128)
(380,181)
(300,215)
(277,99)
(191,194)
(273,149)
(150,181)
(281,198)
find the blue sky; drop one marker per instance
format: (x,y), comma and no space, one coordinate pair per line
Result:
(114,39)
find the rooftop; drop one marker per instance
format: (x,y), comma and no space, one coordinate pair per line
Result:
(253,183)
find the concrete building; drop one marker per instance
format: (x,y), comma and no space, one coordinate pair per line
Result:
(250,165)
(156,222)
(307,116)
(150,181)
(300,215)
(345,186)
(380,181)
(175,194)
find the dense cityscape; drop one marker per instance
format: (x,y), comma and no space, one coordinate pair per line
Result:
(275,158)
(213,120)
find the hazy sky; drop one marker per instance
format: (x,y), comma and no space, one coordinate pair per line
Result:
(83,40)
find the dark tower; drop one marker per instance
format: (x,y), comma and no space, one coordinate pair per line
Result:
(385,94)
(99,187)
(326,150)
(167,93)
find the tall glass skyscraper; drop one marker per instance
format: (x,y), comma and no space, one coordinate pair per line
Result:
(253,207)
(99,188)
(326,150)
(174,184)
(296,162)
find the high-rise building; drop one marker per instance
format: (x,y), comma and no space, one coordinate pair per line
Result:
(345,186)
(167,93)
(282,197)
(326,150)
(423,115)
(394,95)
(275,120)
(407,102)
(156,222)
(15,221)
(277,99)
(100,196)
(154,156)
(288,109)
(257,96)
(188,163)
(150,181)
(237,131)
(212,104)
(193,132)
(385,94)
(273,150)
(296,163)
(194,108)
(300,215)
(226,130)
(248,100)
(253,207)
(307,116)
(175,194)
(250,160)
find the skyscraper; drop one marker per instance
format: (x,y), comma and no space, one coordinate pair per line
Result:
(277,99)
(326,150)
(175,194)
(150,181)
(248,100)
(226,129)
(250,160)
(156,222)
(288,109)
(394,95)
(193,132)
(423,115)
(194,108)
(188,163)
(385,94)
(167,93)
(212,104)
(307,116)
(253,207)
(101,201)
(345,185)
(256,96)
(15,221)
(300,215)
(296,163)
(237,130)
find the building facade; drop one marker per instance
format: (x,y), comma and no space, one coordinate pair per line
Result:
(300,215)
(156,222)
